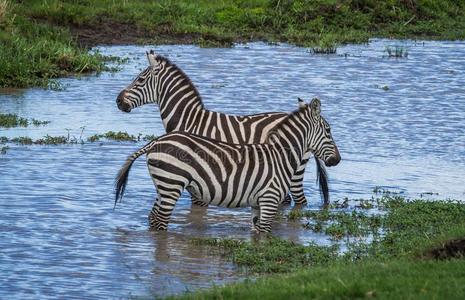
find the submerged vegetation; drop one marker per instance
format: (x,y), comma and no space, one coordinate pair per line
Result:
(417,249)
(40,40)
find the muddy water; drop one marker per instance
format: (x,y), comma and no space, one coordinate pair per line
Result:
(59,235)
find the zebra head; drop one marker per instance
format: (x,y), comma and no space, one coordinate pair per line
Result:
(143,89)
(319,139)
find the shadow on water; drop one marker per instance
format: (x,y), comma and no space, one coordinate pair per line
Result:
(59,235)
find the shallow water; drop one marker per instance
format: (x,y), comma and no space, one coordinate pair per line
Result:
(59,235)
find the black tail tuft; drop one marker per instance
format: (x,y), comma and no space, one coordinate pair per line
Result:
(322,180)
(122,179)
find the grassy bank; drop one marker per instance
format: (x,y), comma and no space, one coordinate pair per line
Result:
(39,39)
(417,252)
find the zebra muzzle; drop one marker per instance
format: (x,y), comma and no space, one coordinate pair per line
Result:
(121,103)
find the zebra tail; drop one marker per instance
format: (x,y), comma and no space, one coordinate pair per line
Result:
(322,180)
(122,177)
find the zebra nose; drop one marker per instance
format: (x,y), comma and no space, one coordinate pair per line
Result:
(122,105)
(333,160)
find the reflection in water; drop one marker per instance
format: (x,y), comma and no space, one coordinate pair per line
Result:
(59,234)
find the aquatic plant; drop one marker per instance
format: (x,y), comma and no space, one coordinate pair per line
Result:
(12,120)
(4,149)
(396,51)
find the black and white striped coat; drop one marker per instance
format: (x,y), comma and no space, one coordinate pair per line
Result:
(181,109)
(233,175)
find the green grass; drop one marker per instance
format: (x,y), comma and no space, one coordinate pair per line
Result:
(37,37)
(398,263)
(399,279)
(32,53)
(13,120)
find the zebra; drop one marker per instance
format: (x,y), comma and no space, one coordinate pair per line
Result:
(233,175)
(181,109)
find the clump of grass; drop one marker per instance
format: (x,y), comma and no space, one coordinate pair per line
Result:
(396,51)
(4,7)
(12,120)
(111,135)
(36,122)
(120,136)
(22,140)
(271,255)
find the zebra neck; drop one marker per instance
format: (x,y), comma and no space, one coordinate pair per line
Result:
(290,148)
(179,101)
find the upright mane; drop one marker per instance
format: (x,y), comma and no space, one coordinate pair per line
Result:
(284,121)
(168,62)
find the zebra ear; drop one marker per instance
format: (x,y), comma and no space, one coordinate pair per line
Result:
(316,106)
(301,102)
(151,56)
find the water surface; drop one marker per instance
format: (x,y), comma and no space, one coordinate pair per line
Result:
(59,235)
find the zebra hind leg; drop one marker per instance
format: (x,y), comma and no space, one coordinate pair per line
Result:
(162,209)
(268,210)
(255,217)
(287,200)
(195,198)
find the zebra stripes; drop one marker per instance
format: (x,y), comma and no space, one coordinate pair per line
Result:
(181,109)
(233,175)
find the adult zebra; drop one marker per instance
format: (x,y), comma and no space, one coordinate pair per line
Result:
(181,109)
(232,175)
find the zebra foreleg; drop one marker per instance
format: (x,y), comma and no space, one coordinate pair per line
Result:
(297,185)
(268,208)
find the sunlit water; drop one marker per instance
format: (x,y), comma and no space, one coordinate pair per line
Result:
(59,235)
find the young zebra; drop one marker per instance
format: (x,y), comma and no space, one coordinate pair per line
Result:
(232,175)
(181,109)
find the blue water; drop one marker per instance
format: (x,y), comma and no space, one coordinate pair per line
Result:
(59,235)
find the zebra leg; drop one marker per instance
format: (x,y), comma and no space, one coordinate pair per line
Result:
(195,198)
(297,184)
(268,209)
(255,217)
(162,209)
(287,200)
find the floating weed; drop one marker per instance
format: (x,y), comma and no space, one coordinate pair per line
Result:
(149,137)
(4,149)
(22,140)
(3,139)
(36,122)
(116,136)
(13,120)
(396,51)
(318,50)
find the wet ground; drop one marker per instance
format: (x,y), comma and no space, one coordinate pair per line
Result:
(399,124)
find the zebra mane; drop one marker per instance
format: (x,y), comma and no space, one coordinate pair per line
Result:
(284,121)
(168,62)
